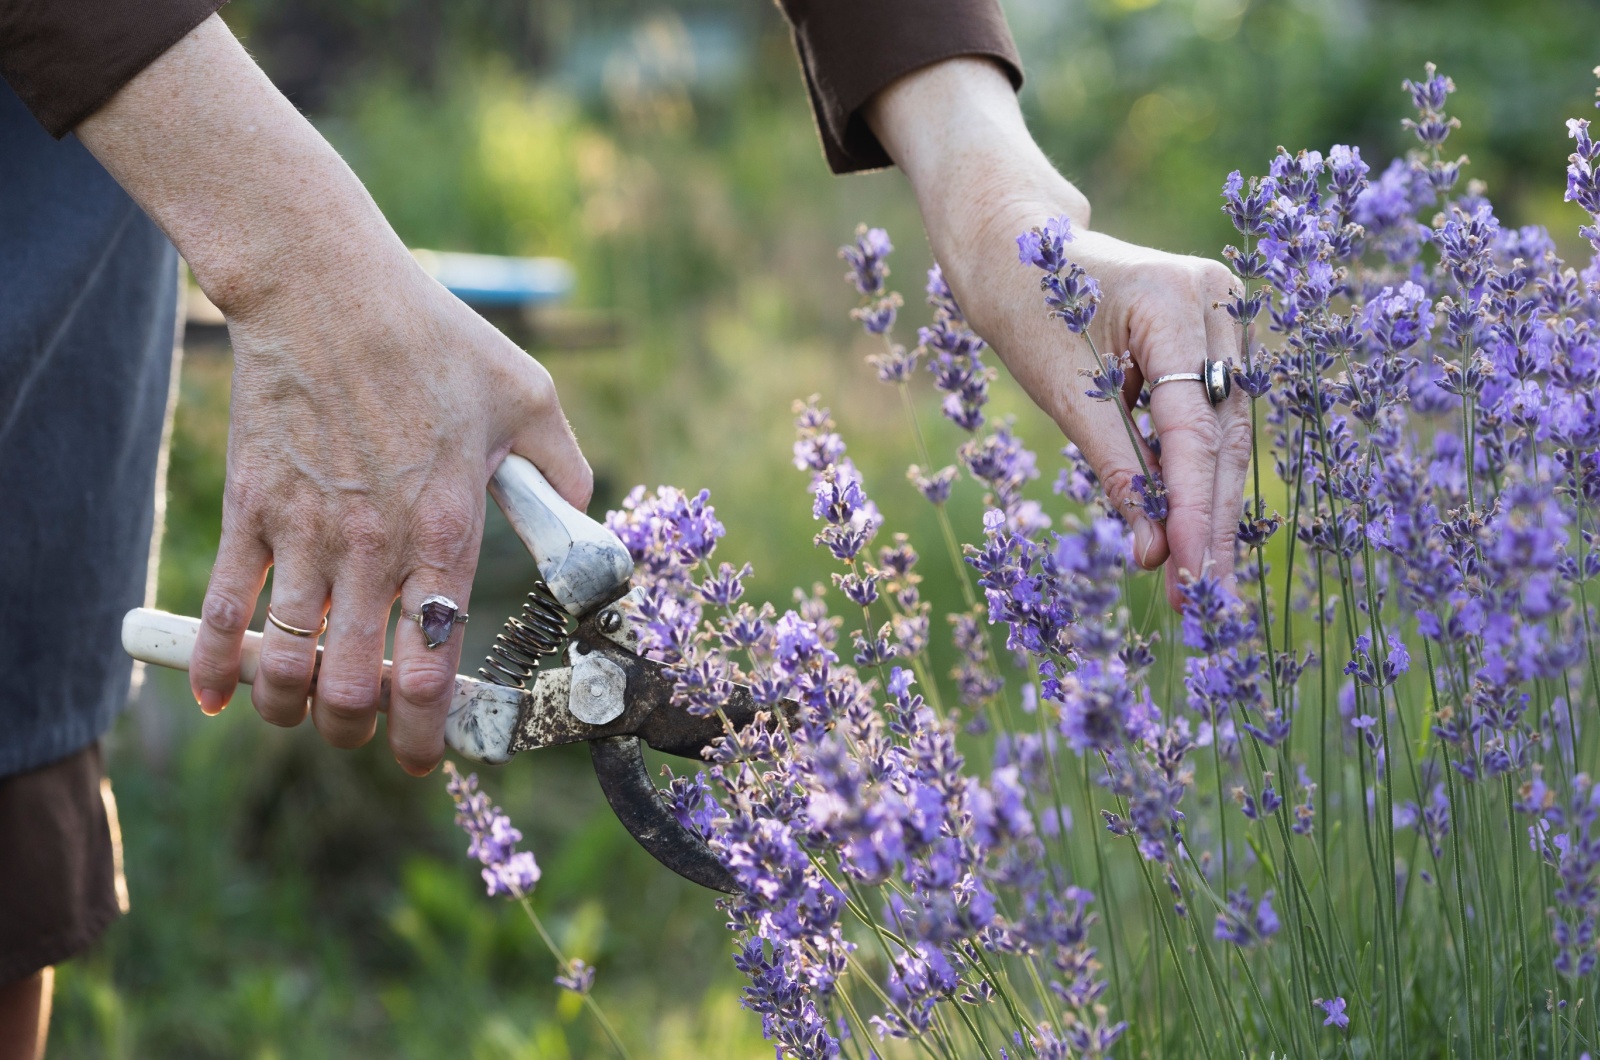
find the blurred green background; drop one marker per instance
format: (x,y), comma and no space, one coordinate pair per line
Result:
(295,901)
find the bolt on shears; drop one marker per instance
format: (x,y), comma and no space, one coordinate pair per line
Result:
(608,694)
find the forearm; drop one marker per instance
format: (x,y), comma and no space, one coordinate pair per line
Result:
(249,192)
(957,132)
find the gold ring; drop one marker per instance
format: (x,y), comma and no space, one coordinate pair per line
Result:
(296,630)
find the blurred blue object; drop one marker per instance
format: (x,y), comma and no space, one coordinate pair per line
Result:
(486,281)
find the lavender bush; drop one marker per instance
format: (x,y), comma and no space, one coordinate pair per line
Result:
(1338,808)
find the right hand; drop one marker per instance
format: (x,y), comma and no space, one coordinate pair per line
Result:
(370,407)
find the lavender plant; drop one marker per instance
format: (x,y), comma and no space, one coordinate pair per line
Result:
(1339,807)
(492,841)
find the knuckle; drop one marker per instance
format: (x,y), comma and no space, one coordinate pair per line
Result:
(283,711)
(347,697)
(424,683)
(227,612)
(540,389)
(1215,277)
(1118,483)
(247,502)
(283,671)
(1190,510)
(444,531)
(1237,439)
(1198,433)
(363,532)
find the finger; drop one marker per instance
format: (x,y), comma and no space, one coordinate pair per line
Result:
(230,602)
(444,545)
(424,678)
(350,679)
(1104,433)
(1191,437)
(545,437)
(1233,458)
(283,676)
(1114,450)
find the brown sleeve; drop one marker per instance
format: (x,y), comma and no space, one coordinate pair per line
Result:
(849,49)
(65,58)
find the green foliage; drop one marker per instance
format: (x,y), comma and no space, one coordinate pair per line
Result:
(292,900)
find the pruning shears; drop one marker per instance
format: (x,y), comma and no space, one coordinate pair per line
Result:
(607,694)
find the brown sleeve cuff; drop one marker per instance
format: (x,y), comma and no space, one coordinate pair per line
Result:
(66,58)
(849,49)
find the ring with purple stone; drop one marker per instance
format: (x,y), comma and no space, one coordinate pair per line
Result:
(437,616)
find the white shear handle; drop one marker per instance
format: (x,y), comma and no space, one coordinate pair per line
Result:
(584,564)
(482,719)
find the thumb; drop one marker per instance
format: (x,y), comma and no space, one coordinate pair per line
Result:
(543,436)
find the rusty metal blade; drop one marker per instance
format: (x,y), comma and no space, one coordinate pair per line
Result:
(644,812)
(650,714)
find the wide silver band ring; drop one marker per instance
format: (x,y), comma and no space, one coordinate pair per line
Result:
(1215,376)
(296,631)
(437,616)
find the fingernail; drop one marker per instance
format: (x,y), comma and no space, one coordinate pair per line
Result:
(211,702)
(1144,539)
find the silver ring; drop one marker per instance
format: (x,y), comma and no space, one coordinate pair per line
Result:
(1213,375)
(296,631)
(437,616)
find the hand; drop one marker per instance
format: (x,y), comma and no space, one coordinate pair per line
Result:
(370,407)
(956,130)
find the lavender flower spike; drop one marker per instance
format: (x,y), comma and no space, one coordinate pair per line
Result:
(577,977)
(868,258)
(1044,246)
(493,840)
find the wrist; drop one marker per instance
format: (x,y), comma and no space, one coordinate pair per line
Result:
(957,132)
(253,197)
(248,263)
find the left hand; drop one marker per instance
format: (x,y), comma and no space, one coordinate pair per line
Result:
(957,132)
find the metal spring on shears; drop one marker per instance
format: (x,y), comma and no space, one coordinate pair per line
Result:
(541,629)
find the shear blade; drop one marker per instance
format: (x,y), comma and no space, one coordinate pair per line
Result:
(619,765)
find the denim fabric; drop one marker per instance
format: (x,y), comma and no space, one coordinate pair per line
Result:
(88,289)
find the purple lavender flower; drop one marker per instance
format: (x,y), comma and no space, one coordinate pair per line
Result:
(1333,1009)
(1152,494)
(955,359)
(492,839)
(578,977)
(1583,187)
(1044,247)
(1076,481)
(940,297)
(878,317)
(1429,96)
(1246,924)
(895,365)
(1400,319)
(868,258)
(1071,298)
(934,487)
(1434,419)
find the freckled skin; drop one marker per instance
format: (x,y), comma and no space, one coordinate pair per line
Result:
(956,131)
(369,406)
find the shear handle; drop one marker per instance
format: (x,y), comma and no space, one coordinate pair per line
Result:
(584,564)
(480,726)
